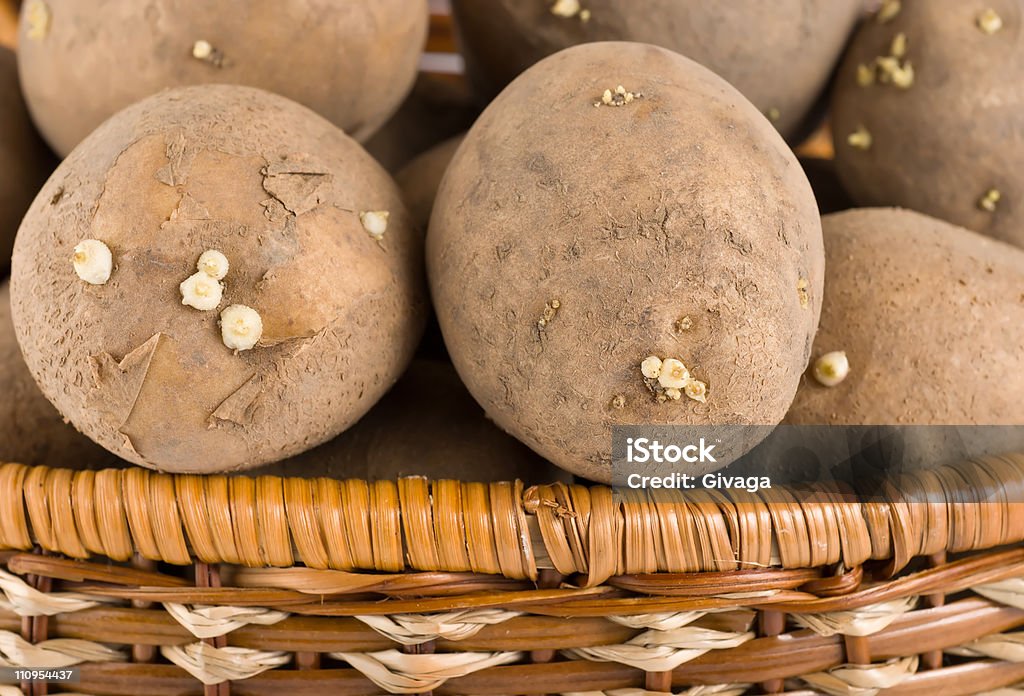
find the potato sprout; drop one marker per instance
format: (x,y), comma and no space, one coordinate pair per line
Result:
(93,261)
(201,291)
(831,368)
(375,222)
(240,327)
(213,263)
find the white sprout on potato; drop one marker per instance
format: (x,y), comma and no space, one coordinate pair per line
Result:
(990,201)
(203,50)
(865,75)
(375,222)
(898,49)
(213,263)
(620,96)
(990,22)
(888,11)
(860,139)
(566,8)
(37,20)
(696,390)
(670,380)
(201,291)
(674,374)
(831,368)
(550,310)
(651,367)
(801,291)
(93,261)
(240,327)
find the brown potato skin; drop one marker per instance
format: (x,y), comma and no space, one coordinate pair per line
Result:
(685,202)
(31,429)
(193,169)
(751,43)
(351,62)
(931,317)
(420,179)
(940,145)
(427,425)
(26,160)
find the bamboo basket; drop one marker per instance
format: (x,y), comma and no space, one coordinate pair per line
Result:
(175,585)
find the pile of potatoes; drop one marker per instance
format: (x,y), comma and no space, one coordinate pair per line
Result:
(232,270)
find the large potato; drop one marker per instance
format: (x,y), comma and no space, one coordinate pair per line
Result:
(31,429)
(778,54)
(279,191)
(927,113)
(26,160)
(931,318)
(351,62)
(427,425)
(573,238)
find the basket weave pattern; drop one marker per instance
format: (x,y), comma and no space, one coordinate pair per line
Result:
(496,589)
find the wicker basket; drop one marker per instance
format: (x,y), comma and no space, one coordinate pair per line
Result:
(247,586)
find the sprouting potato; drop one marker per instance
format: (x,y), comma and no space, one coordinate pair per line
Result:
(248,316)
(657,262)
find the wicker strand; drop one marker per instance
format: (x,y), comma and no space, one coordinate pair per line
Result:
(211,622)
(25,600)
(1002,646)
(402,673)
(413,629)
(714,690)
(212,665)
(56,653)
(863,680)
(663,651)
(857,622)
(594,533)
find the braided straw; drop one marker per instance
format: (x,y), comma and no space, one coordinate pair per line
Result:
(500,528)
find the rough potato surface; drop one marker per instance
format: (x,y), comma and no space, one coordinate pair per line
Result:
(31,429)
(351,62)
(931,317)
(570,241)
(956,133)
(778,54)
(278,190)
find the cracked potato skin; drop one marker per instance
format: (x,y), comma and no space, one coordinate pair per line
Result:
(684,202)
(351,62)
(277,189)
(931,317)
(956,133)
(800,39)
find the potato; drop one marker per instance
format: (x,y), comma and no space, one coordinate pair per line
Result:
(332,300)
(26,160)
(931,319)
(570,241)
(351,62)
(420,179)
(31,429)
(778,54)
(427,425)
(937,128)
